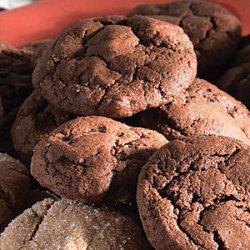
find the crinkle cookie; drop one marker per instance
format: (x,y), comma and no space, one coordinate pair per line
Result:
(15,76)
(236,80)
(66,224)
(194,194)
(94,159)
(214,31)
(201,109)
(6,144)
(14,186)
(116,66)
(35,50)
(35,120)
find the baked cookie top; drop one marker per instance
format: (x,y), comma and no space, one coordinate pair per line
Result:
(14,186)
(15,76)
(201,109)
(116,66)
(214,31)
(35,50)
(94,159)
(236,80)
(36,118)
(66,224)
(193,192)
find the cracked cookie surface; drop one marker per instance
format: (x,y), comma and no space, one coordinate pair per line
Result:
(35,50)
(66,224)
(36,118)
(214,31)
(236,80)
(201,109)
(14,186)
(94,159)
(194,194)
(116,66)
(15,76)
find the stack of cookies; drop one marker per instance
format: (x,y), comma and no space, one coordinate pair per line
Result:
(121,121)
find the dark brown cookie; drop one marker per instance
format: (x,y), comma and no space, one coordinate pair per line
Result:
(35,120)
(15,77)
(236,80)
(116,66)
(194,194)
(245,41)
(94,159)
(202,109)
(6,145)
(243,54)
(35,50)
(214,31)
(14,186)
(71,225)
(1,108)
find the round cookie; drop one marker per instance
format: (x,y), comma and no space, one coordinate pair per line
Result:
(6,144)
(35,120)
(94,159)
(194,194)
(245,41)
(14,186)
(116,66)
(201,109)
(67,224)
(35,50)
(15,76)
(214,31)
(242,56)
(236,80)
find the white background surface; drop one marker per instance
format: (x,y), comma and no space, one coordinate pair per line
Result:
(10,4)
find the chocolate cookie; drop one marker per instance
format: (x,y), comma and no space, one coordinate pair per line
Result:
(116,66)
(94,159)
(1,108)
(243,54)
(245,41)
(214,31)
(202,109)
(236,80)
(15,76)
(6,122)
(35,120)
(194,194)
(14,186)
(67,224)
(35,50)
